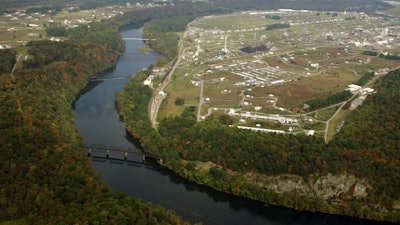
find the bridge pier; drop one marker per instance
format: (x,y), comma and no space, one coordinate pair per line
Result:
(108,149)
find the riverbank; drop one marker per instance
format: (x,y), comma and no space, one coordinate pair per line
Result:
(181,147)
(44,177)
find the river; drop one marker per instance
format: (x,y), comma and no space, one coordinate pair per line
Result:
(99,123)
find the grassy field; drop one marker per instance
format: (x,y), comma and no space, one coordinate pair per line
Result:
(324,114)
(317,56)
(292,95)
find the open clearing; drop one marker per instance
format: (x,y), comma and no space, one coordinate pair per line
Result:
(261,67)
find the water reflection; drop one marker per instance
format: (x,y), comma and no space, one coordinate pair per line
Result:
(99,123)
(88,88)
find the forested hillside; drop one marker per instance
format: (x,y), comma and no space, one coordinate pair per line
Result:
(233,154)
(369,142)
(7,60)
(166,30)
(359,151)
(367,147)
(43,177)
(45,180)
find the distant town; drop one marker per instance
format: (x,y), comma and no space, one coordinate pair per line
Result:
(249,65)
(21,26)
(260,68)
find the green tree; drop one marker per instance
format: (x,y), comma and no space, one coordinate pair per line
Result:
(179,101)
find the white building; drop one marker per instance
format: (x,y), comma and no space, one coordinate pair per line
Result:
(261,129)
(315,65)
(162,93)
(353,88)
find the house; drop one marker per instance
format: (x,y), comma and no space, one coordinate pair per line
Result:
(353,88)
(314,65)
(310,132)
(162,93)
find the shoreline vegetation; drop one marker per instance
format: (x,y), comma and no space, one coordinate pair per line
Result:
(45,179)
(214,155)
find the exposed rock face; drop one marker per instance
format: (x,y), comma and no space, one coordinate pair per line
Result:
(331,186)
(328,187)
(325,187)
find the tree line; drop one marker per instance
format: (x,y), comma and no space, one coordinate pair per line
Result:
(277,26)
(56,31)
(182,142)
(44,178)
(7,60)
(318,103)
(228,5)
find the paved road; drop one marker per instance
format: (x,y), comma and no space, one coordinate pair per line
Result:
(328,135)
(157,97)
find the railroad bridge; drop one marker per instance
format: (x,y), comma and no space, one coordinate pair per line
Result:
(137,39)
(103,152)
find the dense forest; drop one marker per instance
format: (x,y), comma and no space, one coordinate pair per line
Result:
(56,31)
(7,60)
(43,177)
(364,79)
(45,180)
(183,142)
(318,103)
(166,30)
(368,142)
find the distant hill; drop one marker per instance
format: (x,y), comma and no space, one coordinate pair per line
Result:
(11,5)
(319,5)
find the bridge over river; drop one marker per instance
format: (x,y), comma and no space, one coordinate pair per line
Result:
(137,39)
(118,154)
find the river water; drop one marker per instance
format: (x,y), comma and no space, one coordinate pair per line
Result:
(99,123)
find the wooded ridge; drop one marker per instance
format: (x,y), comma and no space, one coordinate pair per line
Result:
(45,180)
(368,158)
(43,175)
